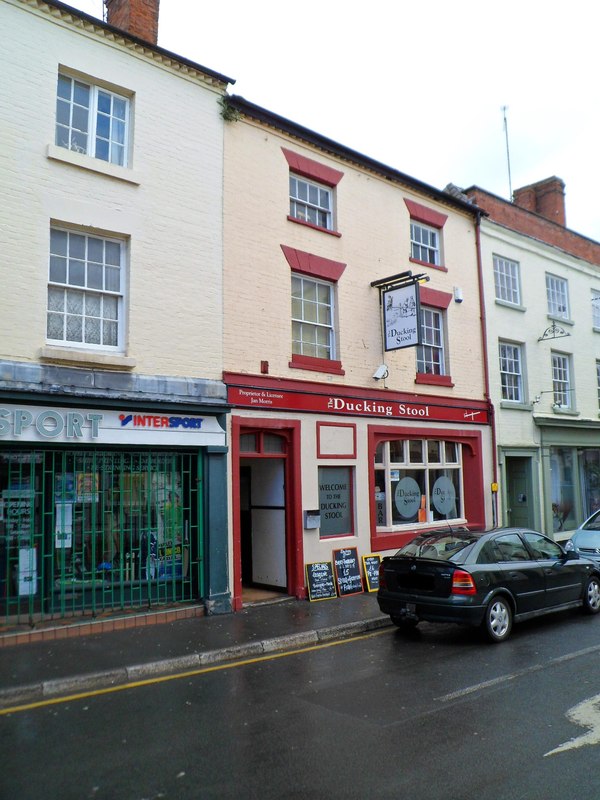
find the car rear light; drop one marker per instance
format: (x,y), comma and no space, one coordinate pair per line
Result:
(382,581)
(463,583)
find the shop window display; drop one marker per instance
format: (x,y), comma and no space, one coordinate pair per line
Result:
(417,481)
(562,488)
(96,529)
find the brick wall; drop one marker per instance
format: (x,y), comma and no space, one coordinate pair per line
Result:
(137,17)
(533,224)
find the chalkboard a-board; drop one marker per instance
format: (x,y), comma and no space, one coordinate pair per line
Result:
(347,571)
(319,580)
(371,568)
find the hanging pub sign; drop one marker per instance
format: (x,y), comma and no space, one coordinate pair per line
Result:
(401,316)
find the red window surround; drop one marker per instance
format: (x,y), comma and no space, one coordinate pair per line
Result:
(312,169)
(472,466)
(436,299)
(325,269)
(316,266)
(428,216)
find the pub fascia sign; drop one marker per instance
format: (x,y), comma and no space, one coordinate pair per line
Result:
(299,401)
(42,423)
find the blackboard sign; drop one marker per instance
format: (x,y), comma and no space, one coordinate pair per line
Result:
(347,571)
(371,568)
(319,580)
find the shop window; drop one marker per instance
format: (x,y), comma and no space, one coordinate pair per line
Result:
(97,529)
(336,501)
(590,466)
(417,481)
(562,476)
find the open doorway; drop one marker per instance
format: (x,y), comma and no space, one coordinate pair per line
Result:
(267,520)
(262,528)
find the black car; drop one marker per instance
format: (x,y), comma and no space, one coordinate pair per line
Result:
(488,578)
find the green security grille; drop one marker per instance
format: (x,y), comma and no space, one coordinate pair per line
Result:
(84,532)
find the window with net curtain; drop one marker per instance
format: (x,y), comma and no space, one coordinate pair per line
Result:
(85,292)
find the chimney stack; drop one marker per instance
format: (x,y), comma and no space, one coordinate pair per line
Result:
(546,198)
(137,17)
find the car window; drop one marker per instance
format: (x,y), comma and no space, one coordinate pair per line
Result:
(511,548)
(490,553)
(541,546)
(593,523)
(445,546)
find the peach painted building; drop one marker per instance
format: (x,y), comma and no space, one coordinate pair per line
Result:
(338,440)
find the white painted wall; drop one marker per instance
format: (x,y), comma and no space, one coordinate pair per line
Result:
(167,204)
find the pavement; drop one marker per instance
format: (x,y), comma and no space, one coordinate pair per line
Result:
(38,671)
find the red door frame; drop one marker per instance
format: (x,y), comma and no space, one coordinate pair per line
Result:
(290,431)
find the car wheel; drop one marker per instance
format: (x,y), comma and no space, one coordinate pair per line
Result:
(497,622)
(405,623)
(591,595)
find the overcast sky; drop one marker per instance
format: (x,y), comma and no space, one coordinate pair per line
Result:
(419,86)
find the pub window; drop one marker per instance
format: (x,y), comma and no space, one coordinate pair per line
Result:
(336,501)
(417,481)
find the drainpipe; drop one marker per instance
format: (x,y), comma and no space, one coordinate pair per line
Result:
(486,374)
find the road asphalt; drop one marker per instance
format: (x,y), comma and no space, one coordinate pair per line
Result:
(47,669)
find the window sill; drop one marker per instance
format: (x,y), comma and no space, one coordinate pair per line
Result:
(316,365)
(85,358)
(562,320)
(506,304)
(314,227)
(515,406)
(92,164)
(566,412)
(433,380)
(428,264)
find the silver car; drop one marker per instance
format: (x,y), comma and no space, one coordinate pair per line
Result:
(585,540)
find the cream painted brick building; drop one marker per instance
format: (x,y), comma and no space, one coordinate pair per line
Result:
(165,204)
(306,218)
(111,341)
(542,292)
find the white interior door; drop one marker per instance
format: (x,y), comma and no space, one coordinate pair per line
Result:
(268,522)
